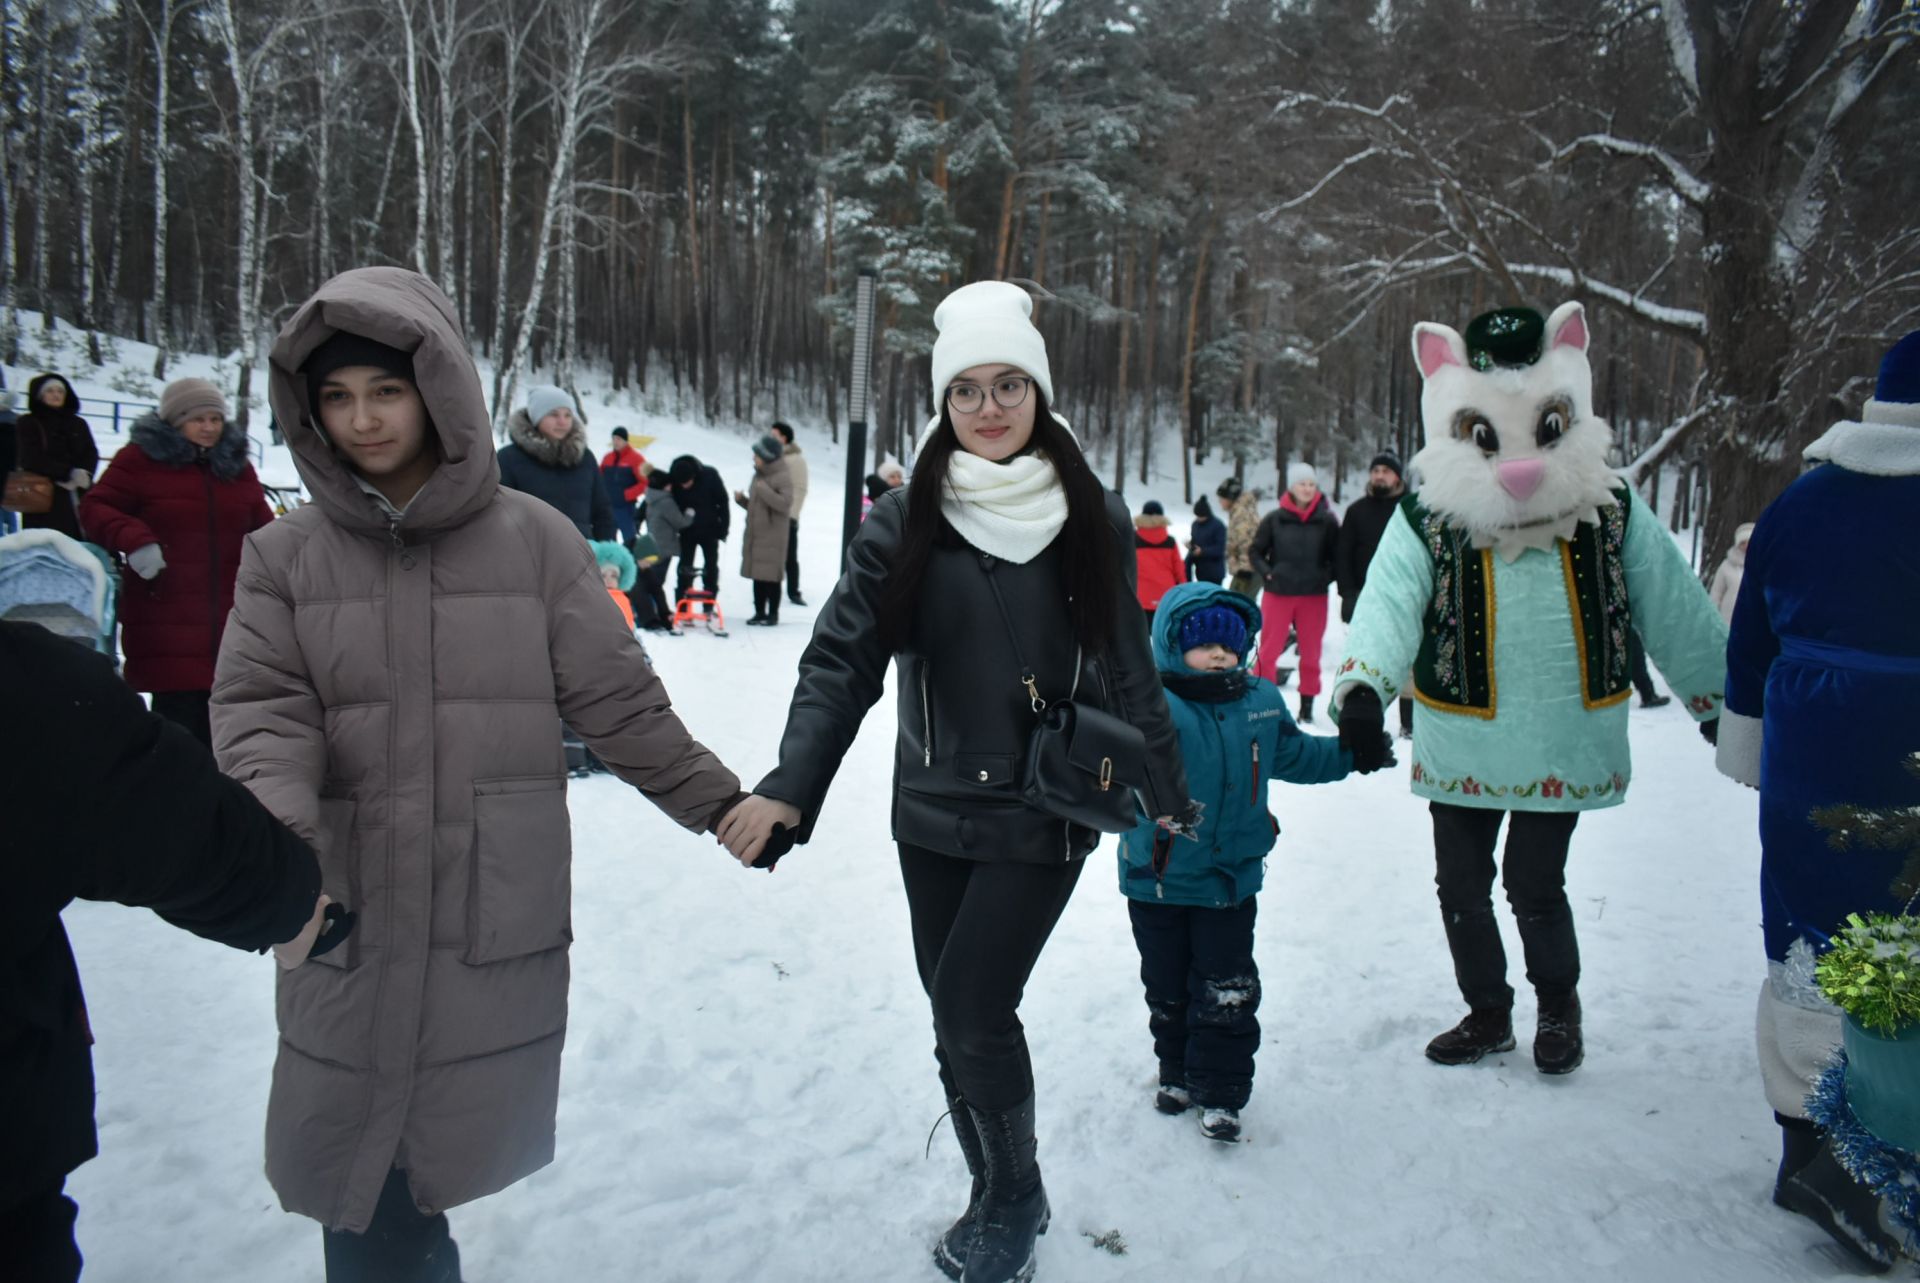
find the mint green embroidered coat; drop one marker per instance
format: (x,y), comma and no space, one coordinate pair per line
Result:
(1546,745)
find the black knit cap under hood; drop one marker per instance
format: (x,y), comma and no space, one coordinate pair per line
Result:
(344,350)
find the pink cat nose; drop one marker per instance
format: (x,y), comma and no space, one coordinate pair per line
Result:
(1521,477)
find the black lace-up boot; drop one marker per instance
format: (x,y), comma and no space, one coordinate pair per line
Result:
(1557,1046)
(1013,1208)
(1486,1030)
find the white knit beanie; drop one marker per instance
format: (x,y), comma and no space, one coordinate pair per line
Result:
(543,399)
(1298,472)
(987,323)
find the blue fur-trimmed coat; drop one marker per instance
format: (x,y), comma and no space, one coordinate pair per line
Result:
(1232,750)
(1823,692)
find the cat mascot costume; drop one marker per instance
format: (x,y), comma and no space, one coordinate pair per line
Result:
(1508,584)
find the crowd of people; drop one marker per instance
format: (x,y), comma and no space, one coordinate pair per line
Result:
(387,676)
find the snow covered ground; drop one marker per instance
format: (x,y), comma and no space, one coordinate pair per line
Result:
(749,1083)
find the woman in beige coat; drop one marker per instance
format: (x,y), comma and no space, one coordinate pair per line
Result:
(391,684)
(769,505)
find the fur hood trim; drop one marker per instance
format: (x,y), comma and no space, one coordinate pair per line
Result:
(565,453)
(165,444)
(1148,521)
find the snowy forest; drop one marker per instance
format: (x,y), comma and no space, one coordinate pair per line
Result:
(1232,211)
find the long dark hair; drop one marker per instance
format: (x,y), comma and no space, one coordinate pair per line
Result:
(1090,569)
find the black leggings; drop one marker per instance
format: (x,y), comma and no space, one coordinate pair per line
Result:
(978,928)
(766,598)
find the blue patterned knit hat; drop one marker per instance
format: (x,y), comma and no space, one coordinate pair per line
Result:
(1210,624)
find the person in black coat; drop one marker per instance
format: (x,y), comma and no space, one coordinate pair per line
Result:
(53,440)
(1360,531)
(106,801)
(1292,553)
(1003,511)
(1207,544)
(698,489)
(547,457)
(8,518)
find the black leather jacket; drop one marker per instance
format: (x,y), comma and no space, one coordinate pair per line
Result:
(964,716)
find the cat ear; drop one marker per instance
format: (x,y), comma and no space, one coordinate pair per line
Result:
(1567,327)
(1436,346)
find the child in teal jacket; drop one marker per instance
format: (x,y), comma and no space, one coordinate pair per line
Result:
(1192,903)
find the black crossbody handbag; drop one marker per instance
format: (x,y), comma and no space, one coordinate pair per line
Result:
(1084,764)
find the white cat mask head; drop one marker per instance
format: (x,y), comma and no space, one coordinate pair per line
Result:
(1514,454)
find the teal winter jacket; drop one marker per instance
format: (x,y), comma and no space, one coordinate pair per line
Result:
(1232,749)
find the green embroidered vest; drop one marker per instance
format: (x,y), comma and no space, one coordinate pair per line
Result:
(1453,671)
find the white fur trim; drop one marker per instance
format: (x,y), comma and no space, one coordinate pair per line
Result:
(987,323)
(1794,1042)
(70,549)
(1880,446)
(1737,751)
(1904,413)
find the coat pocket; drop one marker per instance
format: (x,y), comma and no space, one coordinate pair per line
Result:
(339,876)
(520,888)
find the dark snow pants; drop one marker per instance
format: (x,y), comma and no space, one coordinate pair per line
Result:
(402,1244)
(709,550)
(1535,874)
(978,928)
(1203,996)
(36,1239)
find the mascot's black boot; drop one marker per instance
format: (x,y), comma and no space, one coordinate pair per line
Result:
(1825,1193)
(1557,1045)
(950,1253)
(1486,1030)
(1013,1209)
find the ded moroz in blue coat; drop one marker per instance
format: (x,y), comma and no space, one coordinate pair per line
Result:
(1823,676)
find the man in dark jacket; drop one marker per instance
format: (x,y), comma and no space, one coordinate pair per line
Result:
(1360,530)
(106,801)
(699,490)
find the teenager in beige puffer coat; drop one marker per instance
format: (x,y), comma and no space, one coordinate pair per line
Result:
(401,653)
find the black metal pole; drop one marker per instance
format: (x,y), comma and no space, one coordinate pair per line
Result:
(857,407)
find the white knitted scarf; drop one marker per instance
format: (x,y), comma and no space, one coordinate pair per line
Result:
(1011,510)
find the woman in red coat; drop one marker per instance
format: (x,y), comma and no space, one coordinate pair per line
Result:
(175,503)
(1158,552)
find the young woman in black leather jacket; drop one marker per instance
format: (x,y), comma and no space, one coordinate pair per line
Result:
(1001,495)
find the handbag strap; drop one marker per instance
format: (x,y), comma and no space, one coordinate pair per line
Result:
(1027,678)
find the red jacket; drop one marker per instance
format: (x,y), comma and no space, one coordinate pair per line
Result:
(199,507)
(631,459)
(1158,554)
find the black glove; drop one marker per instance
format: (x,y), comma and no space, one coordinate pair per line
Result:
(1363,730)
(335,925)
(1710,731)
(779,842)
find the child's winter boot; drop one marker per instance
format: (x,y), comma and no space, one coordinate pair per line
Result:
(1484,1030)
(1557,1045)
(1306,710)
(1172,1098)
(1013,1208)
(1217,1122)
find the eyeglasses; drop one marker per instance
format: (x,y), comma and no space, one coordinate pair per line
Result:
(1008,392)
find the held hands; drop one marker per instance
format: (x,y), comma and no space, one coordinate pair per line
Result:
(146,561)
(295,951)
(1363,731)
(759,831)
(1185,823)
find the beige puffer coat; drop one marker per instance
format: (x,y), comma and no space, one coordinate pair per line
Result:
(763,552)
(392,686)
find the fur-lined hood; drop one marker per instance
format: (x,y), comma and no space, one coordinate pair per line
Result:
(565,453)
(1151,521)
(164,443)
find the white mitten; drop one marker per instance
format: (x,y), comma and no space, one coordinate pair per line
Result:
(146,561)
(78,479)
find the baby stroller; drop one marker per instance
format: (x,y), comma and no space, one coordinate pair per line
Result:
(65,586)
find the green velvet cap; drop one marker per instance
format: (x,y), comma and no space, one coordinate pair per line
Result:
(1511,337)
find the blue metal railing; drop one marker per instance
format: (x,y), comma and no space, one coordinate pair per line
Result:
(134,409)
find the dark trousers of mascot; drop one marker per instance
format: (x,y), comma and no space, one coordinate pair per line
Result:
(1203,996)
(1534,872)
